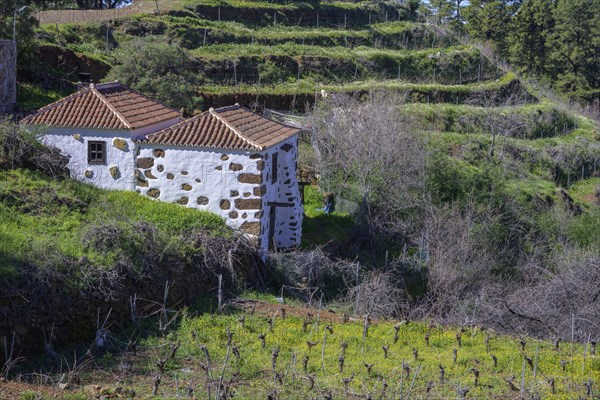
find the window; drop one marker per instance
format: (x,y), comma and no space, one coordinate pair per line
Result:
(96,152)
(274,168)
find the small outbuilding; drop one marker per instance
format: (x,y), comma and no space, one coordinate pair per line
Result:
(230,161)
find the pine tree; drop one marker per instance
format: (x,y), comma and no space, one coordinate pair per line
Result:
(449,12)
(530,36)
(576,45)
(489,20)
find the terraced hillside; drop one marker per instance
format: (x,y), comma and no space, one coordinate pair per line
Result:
(280,55)
(285,55)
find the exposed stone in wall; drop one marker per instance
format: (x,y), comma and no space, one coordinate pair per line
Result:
(248,204)
(145,163)
(186,187)
(255,156)
(160,168)
(77,137)
(158,153)
(244,215)
(233,214)
(260,165)
(225,204)
(247,194)
(251,228)
(148,174)
(260,190)
(198,180)
(258,214)
(235,167)
(154,193)
(120,144)
(234,193)
(202,200)
(141,183)
(183,200)
(170,176)
(114,171)
(250,178)
(224,157)
(219,168)
(88,173)
(184,172)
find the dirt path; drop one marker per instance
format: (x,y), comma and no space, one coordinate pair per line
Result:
(85,16)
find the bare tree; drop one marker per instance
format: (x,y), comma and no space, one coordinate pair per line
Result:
(371,153)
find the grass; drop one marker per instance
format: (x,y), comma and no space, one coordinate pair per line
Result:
(32,97)
(586,192)
(308,86)
(319,228)
(39,215)
(403,373)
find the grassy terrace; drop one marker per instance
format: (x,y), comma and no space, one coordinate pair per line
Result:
(312,87)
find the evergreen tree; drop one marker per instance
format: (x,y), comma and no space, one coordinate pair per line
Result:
(530,36)
(576,46)
(449,12)
(489,20)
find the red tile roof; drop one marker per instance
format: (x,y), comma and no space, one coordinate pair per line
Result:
(232,127)
(103,106)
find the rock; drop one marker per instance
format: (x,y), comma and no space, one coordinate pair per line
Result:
(77,137)
(248,204)
(260,165)
(250,178)
(114,171)
(170,176)
(160,168)
(148,174)
(235,167)
(260,190)
(88,173)
(184,172)
(158,153)
(234,193)
(183,200)
(255,156)
(224,157)
(145,163)
(141,183)
(120,144)
(225,204)
(202,200)
(154,193)
(186,186)
(251,228)
(233,214)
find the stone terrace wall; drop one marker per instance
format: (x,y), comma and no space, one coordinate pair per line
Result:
(8,88)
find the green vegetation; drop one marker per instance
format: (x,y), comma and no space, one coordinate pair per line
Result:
(42,217)
(320,228)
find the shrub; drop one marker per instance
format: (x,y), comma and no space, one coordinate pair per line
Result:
(159,70)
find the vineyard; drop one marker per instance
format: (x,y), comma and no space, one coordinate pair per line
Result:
(260,350)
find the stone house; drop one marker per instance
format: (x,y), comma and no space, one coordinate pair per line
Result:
(230,161)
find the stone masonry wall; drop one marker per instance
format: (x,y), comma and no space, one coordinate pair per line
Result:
(226,182)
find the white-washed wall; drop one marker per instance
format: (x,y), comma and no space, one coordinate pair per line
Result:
(288,220)
(225,182)
(116,173)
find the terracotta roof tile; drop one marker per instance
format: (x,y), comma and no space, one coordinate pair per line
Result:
(103,106)
(232,127)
